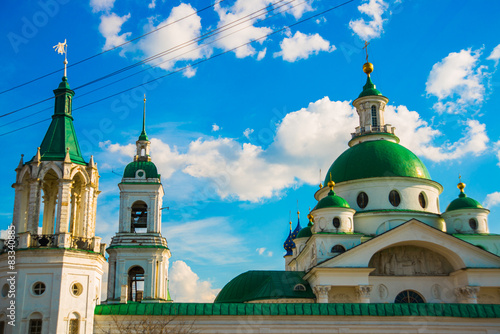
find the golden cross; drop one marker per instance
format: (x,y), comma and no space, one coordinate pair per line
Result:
(366,49)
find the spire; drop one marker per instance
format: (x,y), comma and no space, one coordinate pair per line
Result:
(143,135)
(298,227)
(289,245)
(61,134)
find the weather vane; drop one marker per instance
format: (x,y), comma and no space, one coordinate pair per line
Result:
(62,48)
(366,49)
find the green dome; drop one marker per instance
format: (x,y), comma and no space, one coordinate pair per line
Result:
(305,232)
(147,166)
(378,158)
(259,285)
(463,202)
(332,201)
(369,89)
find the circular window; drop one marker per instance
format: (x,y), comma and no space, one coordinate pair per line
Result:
(76,289)
(422,200)
(38,288)
(362,200)
(473,223)
(394,198)
(336,222)
(5,290)
(409,297)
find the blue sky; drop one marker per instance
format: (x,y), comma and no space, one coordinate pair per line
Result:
(240,138)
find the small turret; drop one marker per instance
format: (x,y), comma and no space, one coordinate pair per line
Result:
(465,215)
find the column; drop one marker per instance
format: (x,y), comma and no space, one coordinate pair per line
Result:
(63,214)
(321,292)
(467,294)
(363,292)
(34,206)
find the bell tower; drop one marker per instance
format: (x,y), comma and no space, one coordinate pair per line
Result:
(138,254)
(59,260)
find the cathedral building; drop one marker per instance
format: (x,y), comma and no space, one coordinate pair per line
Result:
(377,255)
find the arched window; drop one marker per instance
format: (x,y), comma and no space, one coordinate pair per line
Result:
(336,222)
(77,204)
(473,223)
(362,200)
(35,324)
(394,198)
(135,283)
(299,287)
(374,116)
(338,249)
(139,219)
(422,200)
(74,323)
(409,297)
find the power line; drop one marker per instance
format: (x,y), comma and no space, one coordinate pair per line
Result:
(113,48)
(196,63)
(158,55)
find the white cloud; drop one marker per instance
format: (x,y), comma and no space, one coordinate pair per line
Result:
(495,54)
(497,148)
(101,5)
(189,72)
(152,4)
(457,82)
(492,200)
(301,46)
(239,10)
(110,27)
(374,28)
(298,11)
(261,54)
(186,286)
(305,141)
(418,136)
(215,127)
(176,34)
(248,132)
(260,250)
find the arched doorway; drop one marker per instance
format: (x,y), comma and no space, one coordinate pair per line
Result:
(135,283)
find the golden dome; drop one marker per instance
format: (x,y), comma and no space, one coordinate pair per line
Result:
(368,68)
(331,184)
(310,217)
(461,186)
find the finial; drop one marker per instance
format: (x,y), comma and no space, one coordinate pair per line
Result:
(298,212)
(67,158)
(21,162)
(320,184)
(331,184)
(37,157)
(290,226)
(62,48)
(460,185)
(367,67)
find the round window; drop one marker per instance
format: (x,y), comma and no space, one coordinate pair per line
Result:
(422,200)
(5,290)
(336,222)
(76,289)
(394,198)
(362,200)
(38,288)
(473,223)
(140,174)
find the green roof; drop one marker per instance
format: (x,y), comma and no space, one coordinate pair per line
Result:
(61,134)
(305,232)
(463,202)
(258,285)
(369,89)
(377,158)
(332,201)
(312,309)
(147,166)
